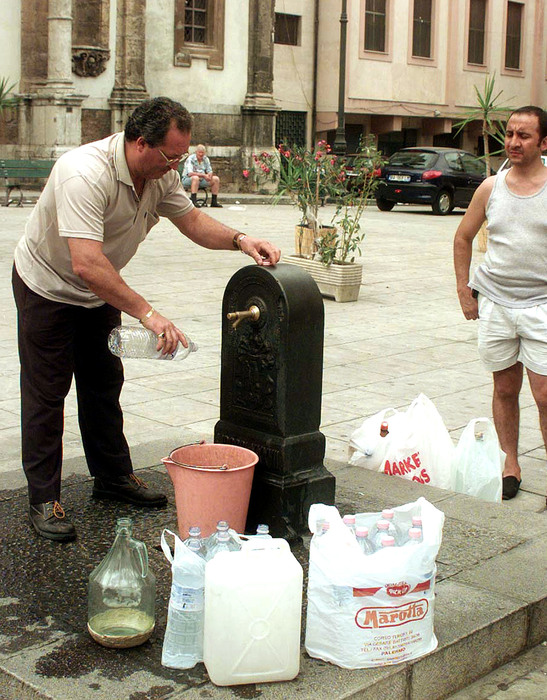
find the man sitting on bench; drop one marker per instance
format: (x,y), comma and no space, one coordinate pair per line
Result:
(199,173)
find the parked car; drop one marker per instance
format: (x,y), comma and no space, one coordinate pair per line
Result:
(507,163)
(353,181)
(443,177)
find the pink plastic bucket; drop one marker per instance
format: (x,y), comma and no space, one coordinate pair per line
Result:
(212,482)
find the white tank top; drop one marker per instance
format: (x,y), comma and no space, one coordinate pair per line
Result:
(514,271)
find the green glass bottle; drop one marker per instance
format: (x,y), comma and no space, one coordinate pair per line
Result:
(122,593)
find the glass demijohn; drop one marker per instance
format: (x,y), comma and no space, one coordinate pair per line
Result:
(122,592)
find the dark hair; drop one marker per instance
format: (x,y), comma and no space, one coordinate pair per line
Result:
(152,120)
(541,114)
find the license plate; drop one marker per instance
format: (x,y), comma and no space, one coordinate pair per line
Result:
(399,178)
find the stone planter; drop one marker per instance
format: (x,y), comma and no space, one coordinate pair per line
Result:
(304,240)
(342,282)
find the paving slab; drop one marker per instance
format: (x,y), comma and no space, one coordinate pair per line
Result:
(489,605)
(405,335)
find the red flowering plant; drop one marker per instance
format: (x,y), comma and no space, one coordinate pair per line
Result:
(310,177)
(358,174)
(307,177)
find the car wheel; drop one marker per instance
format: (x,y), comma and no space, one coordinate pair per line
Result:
(443,203)
(384,205)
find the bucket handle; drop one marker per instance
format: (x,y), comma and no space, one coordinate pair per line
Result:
(220,467)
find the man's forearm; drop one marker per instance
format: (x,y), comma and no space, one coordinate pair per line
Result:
(463,251)
(206,231)
(97,272)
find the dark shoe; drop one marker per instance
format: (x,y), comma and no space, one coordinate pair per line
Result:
(129,489)
(194,199)
(511,486)
(216,204)
(49,521)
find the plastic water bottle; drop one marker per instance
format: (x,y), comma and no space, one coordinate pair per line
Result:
(134,342)
(389,515)
(195,542)
(183,641)
(415,536)
(361,535)
(222,543)
(382,530)
(417,521)
(222,526)
(349,521)
(263,531)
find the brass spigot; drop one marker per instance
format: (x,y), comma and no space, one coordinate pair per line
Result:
(253,313)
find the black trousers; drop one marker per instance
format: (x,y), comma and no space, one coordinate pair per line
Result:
(57,342)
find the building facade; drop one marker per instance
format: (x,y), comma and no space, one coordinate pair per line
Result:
(255,72)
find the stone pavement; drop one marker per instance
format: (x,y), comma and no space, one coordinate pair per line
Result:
(404,336)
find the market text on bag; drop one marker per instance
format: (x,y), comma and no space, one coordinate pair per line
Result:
(376,618)
(405,466)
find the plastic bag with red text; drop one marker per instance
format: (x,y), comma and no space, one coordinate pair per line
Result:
(377,609)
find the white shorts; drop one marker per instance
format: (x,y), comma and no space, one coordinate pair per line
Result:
(508,335)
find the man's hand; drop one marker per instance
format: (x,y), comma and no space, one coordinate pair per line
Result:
(262,252)
(168,334)
(469,304)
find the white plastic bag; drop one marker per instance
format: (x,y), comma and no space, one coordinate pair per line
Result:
(417,446)
(375,610)
(479,461)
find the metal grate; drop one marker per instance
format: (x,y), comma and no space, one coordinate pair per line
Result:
(290,128)
(195,21)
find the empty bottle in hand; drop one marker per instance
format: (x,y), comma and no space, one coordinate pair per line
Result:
(140,343)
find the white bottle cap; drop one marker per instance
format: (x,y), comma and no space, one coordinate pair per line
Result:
(361,531)
(387,514)
(382,524)
(388,541)
(349,519)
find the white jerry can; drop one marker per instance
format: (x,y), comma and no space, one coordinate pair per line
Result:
(253,604)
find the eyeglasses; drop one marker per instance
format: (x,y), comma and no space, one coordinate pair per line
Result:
(171,161)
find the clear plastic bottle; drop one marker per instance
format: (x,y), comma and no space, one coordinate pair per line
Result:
(415,536)
(349,521)
(263,530)
(382,530)
(389,515)
(183,641)
(134,342)
(417,521)
(122,593)
(195,542)
(222,526)
(361,535)
(222,543)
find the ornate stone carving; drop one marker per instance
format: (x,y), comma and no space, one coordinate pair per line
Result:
(89,61)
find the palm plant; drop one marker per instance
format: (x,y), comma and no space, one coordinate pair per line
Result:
(6,98)
(491,114)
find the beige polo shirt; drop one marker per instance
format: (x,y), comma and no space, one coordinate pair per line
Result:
(90,194)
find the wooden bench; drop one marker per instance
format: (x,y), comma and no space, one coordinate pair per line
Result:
(17,174)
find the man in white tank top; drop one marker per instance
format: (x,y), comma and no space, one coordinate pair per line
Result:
(508,291)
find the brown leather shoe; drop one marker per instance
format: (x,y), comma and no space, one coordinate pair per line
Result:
(49,521)
(129,489)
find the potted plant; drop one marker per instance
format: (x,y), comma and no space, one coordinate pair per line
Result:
(349,182)
(307,177)
(333,267)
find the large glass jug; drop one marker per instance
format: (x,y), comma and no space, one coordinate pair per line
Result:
(122,592)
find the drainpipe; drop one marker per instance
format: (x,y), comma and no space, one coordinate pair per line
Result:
(314,77)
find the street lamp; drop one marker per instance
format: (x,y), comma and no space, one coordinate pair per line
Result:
(340,145)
